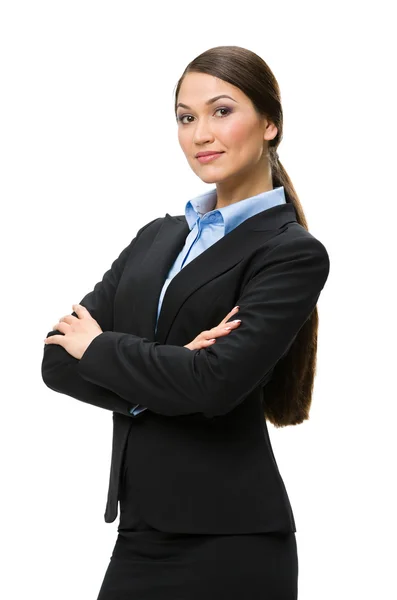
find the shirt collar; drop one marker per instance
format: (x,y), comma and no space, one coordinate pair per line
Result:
(235,213)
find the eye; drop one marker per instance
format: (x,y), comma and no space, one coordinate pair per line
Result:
(180,118)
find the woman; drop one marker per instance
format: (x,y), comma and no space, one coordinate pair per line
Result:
(204,510)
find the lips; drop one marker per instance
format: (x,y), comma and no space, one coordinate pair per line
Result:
(209,153)
(209,158)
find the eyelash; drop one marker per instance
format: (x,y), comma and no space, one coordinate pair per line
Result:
(179,119)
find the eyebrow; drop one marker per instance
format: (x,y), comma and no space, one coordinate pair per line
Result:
(210,101)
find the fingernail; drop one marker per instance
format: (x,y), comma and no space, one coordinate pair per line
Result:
(236,321)
(236,308)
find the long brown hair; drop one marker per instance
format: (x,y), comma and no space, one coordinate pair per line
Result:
(287,396)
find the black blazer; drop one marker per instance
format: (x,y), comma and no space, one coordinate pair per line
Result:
(204,461)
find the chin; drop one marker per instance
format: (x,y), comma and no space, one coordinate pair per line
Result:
(210,177)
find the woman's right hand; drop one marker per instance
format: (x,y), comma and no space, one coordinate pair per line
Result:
(208,337)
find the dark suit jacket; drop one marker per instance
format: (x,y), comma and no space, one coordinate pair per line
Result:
(204,461)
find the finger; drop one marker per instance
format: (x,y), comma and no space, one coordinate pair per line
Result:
(61,326)
(55,339)
(230,325)
(63,320)
(232,312)
(205,343)
(80,310)
(221,329)
(217,332)
(69,319)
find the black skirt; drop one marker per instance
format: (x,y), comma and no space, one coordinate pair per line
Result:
(155,565)
(148,564)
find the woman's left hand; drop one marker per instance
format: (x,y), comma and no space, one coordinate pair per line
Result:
(78,332)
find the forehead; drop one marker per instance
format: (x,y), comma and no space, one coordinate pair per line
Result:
(197,88)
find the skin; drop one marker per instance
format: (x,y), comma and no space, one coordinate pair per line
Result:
(243,170)
(78,332)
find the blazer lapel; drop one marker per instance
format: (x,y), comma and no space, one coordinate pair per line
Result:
(238,244)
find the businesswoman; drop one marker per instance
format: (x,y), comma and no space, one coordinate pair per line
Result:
(204,511)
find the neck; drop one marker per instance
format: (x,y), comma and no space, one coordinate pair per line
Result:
(240,187)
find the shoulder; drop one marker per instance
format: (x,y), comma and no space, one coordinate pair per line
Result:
(295,238)
(292,249)
(153,225)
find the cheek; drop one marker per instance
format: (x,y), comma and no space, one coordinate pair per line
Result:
(185,141)
(236,132)
(180,138)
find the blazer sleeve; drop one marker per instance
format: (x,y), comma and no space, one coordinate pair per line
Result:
(173,380)
(59,369)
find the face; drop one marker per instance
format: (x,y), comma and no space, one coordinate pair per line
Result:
(228,125)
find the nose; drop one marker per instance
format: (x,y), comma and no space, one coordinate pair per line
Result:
(202,134)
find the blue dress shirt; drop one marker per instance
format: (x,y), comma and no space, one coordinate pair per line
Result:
(207,226)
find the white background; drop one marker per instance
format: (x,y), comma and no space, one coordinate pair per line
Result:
(89,154)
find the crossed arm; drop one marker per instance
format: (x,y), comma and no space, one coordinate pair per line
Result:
(171,380)
(59,369)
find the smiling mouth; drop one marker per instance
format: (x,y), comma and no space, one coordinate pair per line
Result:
(208,157)
(209,153)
